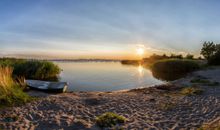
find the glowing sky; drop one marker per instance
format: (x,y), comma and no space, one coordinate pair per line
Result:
(106,28)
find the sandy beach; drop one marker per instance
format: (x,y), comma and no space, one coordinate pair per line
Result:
(153,108)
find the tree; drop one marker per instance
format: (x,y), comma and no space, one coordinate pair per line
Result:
(189,56)
(176,56)
(208,50)
(199,58)
(165,56)
(215,60)
(211,52)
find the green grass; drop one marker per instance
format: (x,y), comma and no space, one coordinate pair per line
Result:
(109,119)
(189,91)
(32,69)
(11,92)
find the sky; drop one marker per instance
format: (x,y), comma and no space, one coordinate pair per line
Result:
(106,28)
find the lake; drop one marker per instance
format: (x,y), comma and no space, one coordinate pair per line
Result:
(105,76)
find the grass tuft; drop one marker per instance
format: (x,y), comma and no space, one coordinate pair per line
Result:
(167,106)
(109,119)
(189,91)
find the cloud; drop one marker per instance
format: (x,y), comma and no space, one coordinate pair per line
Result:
(107,26)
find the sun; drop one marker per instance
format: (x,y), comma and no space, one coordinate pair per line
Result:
(140,51)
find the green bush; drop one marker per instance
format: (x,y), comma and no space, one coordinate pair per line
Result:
(109,119)
(32,69)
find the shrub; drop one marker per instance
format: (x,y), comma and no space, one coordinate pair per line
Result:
(174,67)
(10,91)
(109,119)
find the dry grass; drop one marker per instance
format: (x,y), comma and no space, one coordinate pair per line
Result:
(10,91)
(6,81)
(193,90)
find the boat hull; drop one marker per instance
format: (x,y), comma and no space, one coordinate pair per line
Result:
(58,87)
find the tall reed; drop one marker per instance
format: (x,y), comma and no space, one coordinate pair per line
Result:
(6,81)
(11,92)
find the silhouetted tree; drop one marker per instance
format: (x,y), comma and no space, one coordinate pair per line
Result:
(165,56)
(211,52)
(189,56)
(208,49)
(176,56)
(200,58)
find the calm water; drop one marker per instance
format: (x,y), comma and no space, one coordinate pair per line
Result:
(104,76)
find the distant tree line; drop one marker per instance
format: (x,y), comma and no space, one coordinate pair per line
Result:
(156,57)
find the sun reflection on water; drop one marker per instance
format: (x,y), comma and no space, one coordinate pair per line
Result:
(140,70)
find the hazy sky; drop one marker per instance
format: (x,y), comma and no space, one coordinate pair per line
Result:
(106,28)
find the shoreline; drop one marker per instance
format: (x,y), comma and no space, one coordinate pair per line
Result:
(156,107)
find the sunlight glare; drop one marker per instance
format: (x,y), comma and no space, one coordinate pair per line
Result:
(140,51)
(140,70)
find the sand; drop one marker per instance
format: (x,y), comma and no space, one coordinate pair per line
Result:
(151,108)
